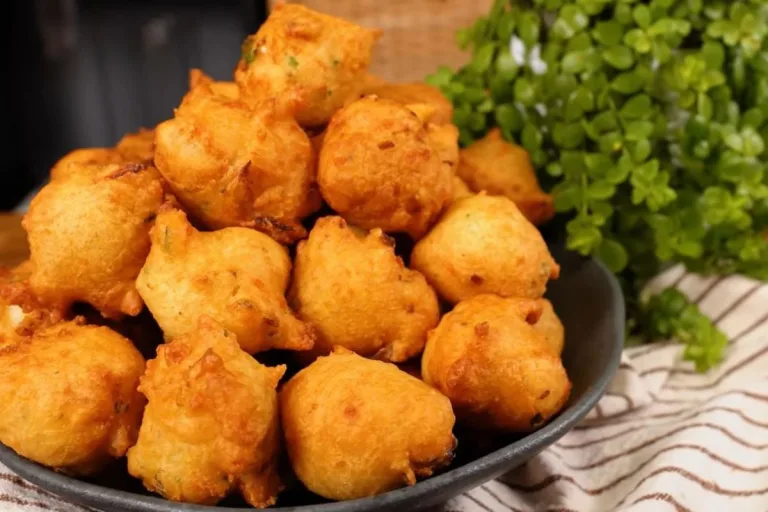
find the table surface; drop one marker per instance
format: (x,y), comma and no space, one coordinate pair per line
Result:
(13,240)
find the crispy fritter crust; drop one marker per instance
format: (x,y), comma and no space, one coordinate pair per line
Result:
(356,427)
(211,424)
(68,397)
(230,165)
(483,244)
(357,294)
(89,237)
(236,275)
(504,169)
(378,168)
(499,372)
(311,62)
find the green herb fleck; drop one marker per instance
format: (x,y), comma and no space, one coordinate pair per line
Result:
(335,62)
(167,238)
(292,62)
(248,51)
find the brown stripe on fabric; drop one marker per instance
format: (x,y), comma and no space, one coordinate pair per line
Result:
(677,282)
(478,502)
(687,371)
(654,347)
(662,496)
(730,371)
(710,486)
(705,293)
(7,498)
(670,369)
(671,414)
(693,404)
(712,426)
(706,484)
(626,398)
(20,482)
(599,411)
(752,327)
(625,366)
(499,500)
(682,446)
(594,441)
(738,302)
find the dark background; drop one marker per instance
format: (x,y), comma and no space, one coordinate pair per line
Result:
(82,73)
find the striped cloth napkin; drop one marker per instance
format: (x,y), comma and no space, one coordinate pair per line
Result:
(663,438)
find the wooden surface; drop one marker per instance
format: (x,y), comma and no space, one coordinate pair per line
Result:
(13,240)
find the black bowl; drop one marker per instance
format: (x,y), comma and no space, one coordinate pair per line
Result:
(588,300)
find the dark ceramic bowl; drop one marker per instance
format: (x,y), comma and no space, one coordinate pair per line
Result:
(589,302)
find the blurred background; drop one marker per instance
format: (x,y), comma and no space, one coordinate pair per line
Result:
(84,72)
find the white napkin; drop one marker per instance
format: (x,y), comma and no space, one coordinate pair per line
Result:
(663,438)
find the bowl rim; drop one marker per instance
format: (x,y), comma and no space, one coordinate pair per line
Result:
(94,495)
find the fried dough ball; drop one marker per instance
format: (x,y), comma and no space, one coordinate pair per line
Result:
(355,427)
(89,237)
(134,148)
(419,97)
(551,327)
(137,147)
(84,160)
(68,397)
(220,88)
(21,313)
(499,372)
(445,141)
(357,294)
(504,169)
(233,166)
(460,189)
(236,275)
(300,56)
(483,244)
(378,168)
(211,423)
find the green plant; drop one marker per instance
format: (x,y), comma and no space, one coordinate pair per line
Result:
(649,119)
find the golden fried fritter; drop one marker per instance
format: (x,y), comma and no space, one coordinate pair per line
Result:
(499,372)
(21,313)
(357,294)
(444,139)
(504,169)
(68,397)
(550,326)
(378,168)
(303,58)
(236,275)
(89,237)
(84,160)
(356,427)
(220,88)
(483,244)
(211,423)
(460,189)
(419,97)
(233,166)
(137,147)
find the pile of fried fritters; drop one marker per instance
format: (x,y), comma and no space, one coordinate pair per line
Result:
(199,219)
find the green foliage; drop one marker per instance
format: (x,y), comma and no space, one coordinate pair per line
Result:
(670,315)
(649,120)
